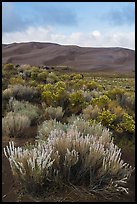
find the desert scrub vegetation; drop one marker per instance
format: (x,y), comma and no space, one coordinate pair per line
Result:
(53,113)
(77,102)
(14,124)
(82,122)
(91,112)
(70,158)
(75,123)
(105,98)
(47,126)
(54,95)
(25,108)
(21,92)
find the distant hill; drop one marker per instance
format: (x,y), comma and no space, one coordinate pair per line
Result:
(78,58)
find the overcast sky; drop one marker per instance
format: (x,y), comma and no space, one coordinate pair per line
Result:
(92,24)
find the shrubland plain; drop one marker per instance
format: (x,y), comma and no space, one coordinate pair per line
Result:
(82,127)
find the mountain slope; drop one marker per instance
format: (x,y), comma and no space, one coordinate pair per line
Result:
(79,58)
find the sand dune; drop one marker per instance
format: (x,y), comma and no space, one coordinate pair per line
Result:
(79,58)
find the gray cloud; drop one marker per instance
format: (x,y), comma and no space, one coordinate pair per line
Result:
(37,15)
(122,16)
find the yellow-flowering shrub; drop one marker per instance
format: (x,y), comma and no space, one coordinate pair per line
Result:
(77,102)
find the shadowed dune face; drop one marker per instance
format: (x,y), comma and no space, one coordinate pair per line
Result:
(79,58)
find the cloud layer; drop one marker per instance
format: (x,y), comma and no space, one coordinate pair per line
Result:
(91,39)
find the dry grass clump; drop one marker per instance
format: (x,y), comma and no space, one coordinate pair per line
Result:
(14,124)
(70,157)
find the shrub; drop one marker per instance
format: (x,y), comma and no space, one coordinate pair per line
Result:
(78,84)
(7,93)
(42,76)
(21,92)
(91,112)
(48,97)
(54,95)
(77,76)
(4,83)
(16,80)
(32,83)
(9,70)
(14,124)
(25,108)
(29,166)
(8,67)
(116,93)
(47,126)
(107,118)
(114,107)
(77,102)
(128,101)
(69,158)
(101,102)
(87,95)
(92,85)
(127,124)
(88,128)
(24,67)
(52,78)
(53,113)
(60,84)
(96,94)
